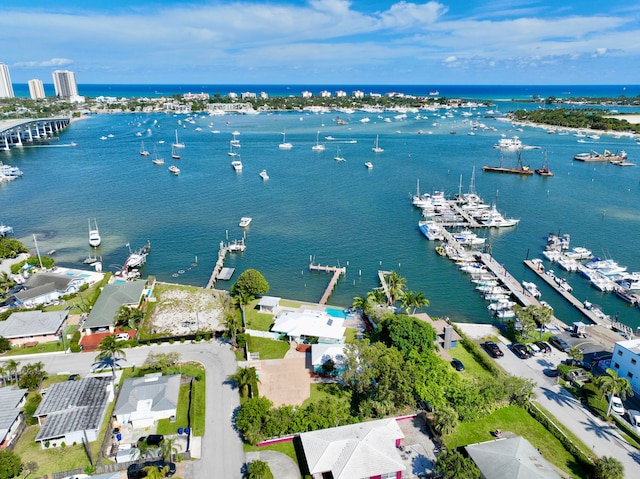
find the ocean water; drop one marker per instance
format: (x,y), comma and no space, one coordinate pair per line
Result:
(314,208)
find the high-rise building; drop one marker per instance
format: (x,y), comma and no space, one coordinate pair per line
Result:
(64,82)
(6,88)
(36,89)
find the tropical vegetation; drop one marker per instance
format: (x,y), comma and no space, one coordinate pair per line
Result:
(576,118)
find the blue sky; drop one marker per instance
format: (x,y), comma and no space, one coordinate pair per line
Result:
(324,41)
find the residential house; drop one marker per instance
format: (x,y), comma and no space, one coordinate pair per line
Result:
(47,287)
(268,304)
(626,362)
(12,401)
(356,451)
(321,353)
(33,327)
(308,324)
(143,401)
(72,411)
(512,458)
(112,298)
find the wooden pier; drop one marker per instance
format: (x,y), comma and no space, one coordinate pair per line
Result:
(382,275)
(336,272)
(222,254)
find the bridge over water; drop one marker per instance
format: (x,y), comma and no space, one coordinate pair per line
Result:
(19,131)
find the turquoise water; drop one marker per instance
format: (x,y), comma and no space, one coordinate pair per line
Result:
(312,207)
(336,313)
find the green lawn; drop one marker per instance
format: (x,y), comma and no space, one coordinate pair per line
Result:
(40,348)
(517,420)
(471,367)
(167,427)
(283,447)
(320,391)
(255,319)
(50,460)
(350,335)
(268,348)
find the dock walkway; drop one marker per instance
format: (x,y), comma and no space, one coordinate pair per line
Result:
(222,254)
(336,272)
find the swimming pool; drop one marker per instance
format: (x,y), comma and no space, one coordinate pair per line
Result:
(336,313)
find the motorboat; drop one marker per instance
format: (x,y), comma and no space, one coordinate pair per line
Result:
(431,230)
(94,234)
(173,169)
(608,267)
(285,145)
(244,221)
(531,288)
(264,175)
(5,230)
(496,220)
(579,253)
(237,165)
(369,165)
(468,238)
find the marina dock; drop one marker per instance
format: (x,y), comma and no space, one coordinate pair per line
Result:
(219,271)
(336,273)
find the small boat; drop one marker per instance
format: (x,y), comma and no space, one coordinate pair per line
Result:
(376,148)
(90,259)
(285,145)
(318,146)
(237,165)
(339,157)
(264,175)
(177,144)
(103,137)
(173,169)
(532,289)
(94,234)
(368,164)
(143,151)
(231,150)
(244,222)
(174,153)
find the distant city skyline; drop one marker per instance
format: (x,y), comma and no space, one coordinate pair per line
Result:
(324,41)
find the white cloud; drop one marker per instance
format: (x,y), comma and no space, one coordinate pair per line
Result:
(54,62)
(450,59)
(599,52)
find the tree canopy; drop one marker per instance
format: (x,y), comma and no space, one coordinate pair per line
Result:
(10,464)
(250,282)
(407,334)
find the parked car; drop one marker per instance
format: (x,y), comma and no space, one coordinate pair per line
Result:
(520,350)
(551,372)
(617,406)
(152,439)
(137,470)
(559,343)
(578,363)
(544,347)
(456,363)
(533,349)
(493,349)
(634,419)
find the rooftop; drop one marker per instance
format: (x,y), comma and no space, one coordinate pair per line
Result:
(163,391)
(112,297)
(10,398)
(32,323)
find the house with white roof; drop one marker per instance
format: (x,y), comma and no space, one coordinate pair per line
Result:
(321,353)
(33,326)
(268,304)
(12,401)
(309,323)
(356,451)
(626,362)
(143,401)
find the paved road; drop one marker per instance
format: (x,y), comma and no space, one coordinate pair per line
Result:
(222,453)
(602,437)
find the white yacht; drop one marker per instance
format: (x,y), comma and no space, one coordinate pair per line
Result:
(376,148)
(369,165)
(468,238)
(431,230)
(244,221)
(496,220)
(237,165)
(173,169)
(94,234)
(532,289)
(264,175)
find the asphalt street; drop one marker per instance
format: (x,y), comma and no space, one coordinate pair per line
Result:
(222,453)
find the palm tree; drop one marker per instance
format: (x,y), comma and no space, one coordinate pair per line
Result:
(396,285)
(445,420)
(608,468)
(232,325)
(612,385)
(377,296)
(411,301)
(110,351)
(244,378)
(154,473)
(11,369)
(259,470)
(168,449)
(542,315)
(575,353)
(362,303)
(242,299)
(6,282)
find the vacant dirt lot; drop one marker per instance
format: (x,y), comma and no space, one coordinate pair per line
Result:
(180,310)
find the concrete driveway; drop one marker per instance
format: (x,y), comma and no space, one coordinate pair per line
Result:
(281,465)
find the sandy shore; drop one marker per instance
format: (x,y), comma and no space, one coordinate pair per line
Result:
(633,119)
(585,130)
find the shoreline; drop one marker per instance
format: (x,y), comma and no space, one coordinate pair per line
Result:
(546,127)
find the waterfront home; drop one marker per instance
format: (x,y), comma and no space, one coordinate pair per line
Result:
(112,298)
(269,304)
(307,324)
(12,401)
(47,287)
(321,353)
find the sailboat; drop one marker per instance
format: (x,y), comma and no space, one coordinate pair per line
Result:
(285,145)
(90,259)
(318,146)
(177,144)
(338,157)
(143,152)
(231,150)
(174,153)
(156,160)
(376,148)
(94,234)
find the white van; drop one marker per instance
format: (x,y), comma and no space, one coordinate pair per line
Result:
(122,336)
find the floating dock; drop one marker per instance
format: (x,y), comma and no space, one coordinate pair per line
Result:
(336,273)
